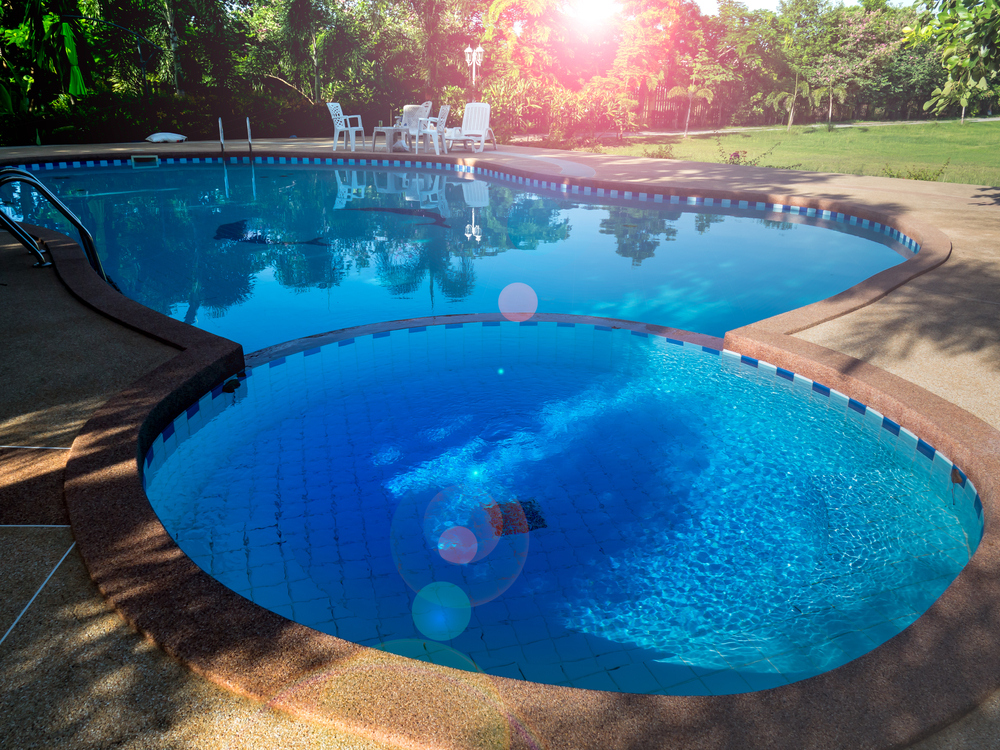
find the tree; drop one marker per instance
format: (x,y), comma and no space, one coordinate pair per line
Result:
(786,99)
(704,72)
(967,35)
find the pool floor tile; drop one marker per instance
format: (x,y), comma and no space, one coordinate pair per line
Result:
(726,682)
(634,678)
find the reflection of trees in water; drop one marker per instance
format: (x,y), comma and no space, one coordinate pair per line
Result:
(638,231)
(402,267)
(157,237)
(782,226)
(521,220)
(703,222)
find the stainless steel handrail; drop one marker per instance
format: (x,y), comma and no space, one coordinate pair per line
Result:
(13,174)
(33,245)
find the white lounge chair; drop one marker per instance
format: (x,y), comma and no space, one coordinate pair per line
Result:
(433,128)
(342,124)
(475,128)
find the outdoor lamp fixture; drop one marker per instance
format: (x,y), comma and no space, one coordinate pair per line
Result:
(473,230)
(474,58)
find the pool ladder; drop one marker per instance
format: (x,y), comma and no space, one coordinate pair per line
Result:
(35,247)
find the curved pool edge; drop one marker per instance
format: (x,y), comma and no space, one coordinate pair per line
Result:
(925,678)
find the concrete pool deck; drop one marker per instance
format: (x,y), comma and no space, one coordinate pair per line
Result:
(939,331)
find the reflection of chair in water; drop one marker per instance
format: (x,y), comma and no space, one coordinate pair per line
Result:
(476,193)
(431,194)
(350,185)
(395,183)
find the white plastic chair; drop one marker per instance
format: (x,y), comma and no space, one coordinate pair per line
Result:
(475,128)
(410,121)
(342,124)
(433,128)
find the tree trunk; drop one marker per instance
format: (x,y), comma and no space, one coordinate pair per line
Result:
(791,108)
(687,121)
(830,118)
(175,64)
(963,114)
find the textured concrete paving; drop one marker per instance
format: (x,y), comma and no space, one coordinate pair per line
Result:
(72,674)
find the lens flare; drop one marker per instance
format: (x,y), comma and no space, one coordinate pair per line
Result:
(518,302)
(431,542)
(458,545)
(441,611)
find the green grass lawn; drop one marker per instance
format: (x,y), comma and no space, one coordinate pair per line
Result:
(973,149)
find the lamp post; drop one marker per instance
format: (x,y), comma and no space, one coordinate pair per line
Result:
(474,58)
(474,230)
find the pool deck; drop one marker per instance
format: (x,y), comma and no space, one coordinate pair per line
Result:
(74,674)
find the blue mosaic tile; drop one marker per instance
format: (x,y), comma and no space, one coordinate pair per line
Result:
(602,328)
(786,374)
(565,325)
(276,362)
(748,361)
(417,329)
(641,334)
(529,322)
(925,449)
(676,342)
(821,389)
(192,410)
(310,352)
(348,342)
(491,323)
(168,430)
(856,406)
(451,326)
(888,424)
(710,350)
(979,508)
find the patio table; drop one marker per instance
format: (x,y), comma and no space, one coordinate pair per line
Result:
(389,135)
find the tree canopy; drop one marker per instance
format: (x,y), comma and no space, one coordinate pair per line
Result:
(118,69)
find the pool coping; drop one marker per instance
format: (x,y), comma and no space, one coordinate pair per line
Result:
(928,676)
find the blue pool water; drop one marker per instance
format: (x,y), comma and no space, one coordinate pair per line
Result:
(568,504)
(262,254)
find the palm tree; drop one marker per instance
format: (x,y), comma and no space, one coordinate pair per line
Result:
(833,90)
(787,99)
(692,91)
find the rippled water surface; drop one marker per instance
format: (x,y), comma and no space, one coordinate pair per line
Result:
(569,505)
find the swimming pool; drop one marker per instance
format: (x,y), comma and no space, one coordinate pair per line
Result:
(645,515)
(264,253)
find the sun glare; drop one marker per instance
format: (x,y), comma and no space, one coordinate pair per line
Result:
(591,11)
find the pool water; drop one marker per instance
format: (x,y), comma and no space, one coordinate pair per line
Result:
(262,254)
(566,503)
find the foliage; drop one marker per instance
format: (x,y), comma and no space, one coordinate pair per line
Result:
(740,158)
(967,36)
(602,106)
(925,173)
(663,151)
